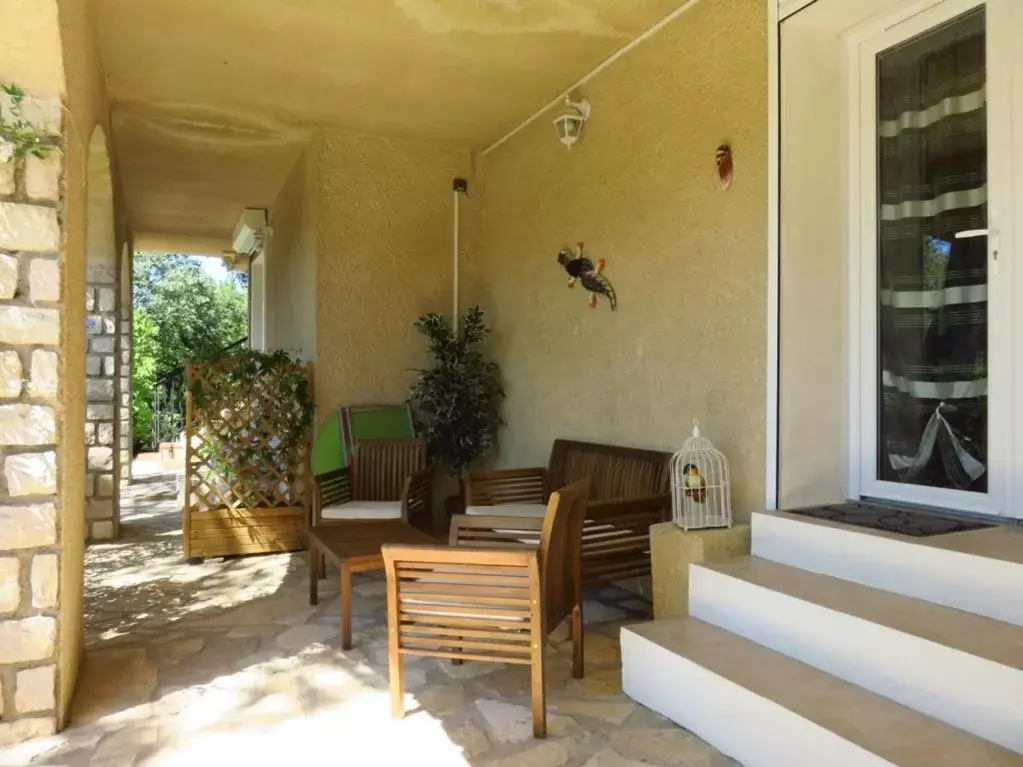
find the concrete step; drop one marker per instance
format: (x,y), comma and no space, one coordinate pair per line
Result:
(964,669)
(979,571)
(767,710)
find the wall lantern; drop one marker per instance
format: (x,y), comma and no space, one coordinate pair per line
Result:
(570,123)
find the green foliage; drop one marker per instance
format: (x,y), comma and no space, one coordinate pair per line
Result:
(280,386)
(22,135)
(458,399)
(185,315)
(196,315)
(143,373)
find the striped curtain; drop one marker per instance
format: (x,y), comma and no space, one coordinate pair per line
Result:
(932,318)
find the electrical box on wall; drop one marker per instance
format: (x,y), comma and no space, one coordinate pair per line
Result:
(250,232)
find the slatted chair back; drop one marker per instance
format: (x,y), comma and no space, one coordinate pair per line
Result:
(382,468)
(560,544)
(464,604)
(491,602)
(614,471)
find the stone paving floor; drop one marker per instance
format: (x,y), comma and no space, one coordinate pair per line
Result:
(226,662)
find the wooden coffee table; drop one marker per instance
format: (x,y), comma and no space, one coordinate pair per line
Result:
(354,547)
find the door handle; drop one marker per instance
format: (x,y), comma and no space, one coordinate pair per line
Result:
(993,242)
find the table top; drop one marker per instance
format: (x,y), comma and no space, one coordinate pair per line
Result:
(348,541)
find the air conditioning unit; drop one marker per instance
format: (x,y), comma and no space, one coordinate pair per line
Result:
(250,232)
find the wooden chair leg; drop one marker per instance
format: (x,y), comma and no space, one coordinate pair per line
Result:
(457,661)
(576,628)
(323,567)
(314,575)
(539,694)
(397,673)
(346,608)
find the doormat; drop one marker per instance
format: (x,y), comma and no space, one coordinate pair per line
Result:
(915,524)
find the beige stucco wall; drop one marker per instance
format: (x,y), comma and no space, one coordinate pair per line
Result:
(291,262)
(688,260)
(383,258)
(30,51)
(87,107)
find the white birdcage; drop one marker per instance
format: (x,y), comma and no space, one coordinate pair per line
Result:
(700,490)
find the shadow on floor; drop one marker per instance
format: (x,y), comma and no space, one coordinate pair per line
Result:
(226,662)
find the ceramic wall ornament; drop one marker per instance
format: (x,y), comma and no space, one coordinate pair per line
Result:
(725,167)
(581,269)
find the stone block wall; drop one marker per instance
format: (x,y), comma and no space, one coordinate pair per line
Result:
(30,557)
(102,389)
(124,438)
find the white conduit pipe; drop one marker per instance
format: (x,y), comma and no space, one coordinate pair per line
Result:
(454,291)
(591,74)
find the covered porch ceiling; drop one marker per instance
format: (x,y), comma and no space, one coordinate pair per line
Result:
(213,99)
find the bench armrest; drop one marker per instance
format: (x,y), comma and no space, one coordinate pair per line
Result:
(329,489)
(417,499)
(657,507)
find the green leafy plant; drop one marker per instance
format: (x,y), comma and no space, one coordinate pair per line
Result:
(271,392)
(458,399)
(182,313)
(23,137)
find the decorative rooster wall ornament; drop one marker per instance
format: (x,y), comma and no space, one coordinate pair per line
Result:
(581,269)
(726,167)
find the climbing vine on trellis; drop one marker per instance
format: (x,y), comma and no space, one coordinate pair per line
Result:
(248,430)
(18,136)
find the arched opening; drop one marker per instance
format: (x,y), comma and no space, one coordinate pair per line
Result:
(102,324)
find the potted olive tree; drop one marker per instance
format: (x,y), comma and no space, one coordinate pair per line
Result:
(457,400)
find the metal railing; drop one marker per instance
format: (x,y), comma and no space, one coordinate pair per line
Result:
(168,400)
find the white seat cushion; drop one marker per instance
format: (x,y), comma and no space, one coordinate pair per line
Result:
(363,510)
(535,510)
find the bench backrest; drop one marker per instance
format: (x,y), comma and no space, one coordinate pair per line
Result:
(614,472)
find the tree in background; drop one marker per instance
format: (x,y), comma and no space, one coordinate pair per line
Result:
(181,313)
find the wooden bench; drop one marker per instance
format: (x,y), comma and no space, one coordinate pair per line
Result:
(628,493)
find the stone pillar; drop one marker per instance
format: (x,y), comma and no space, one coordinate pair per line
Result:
(673,549)
(30,557)
(124,438)
(101,388)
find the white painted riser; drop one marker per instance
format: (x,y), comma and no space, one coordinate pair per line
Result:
(984,586)
(966,691)
(753,730)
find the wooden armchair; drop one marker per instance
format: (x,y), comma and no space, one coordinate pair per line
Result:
(494,595)
(385,479)
(628,493)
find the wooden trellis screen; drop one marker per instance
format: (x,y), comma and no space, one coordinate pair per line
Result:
(235,504)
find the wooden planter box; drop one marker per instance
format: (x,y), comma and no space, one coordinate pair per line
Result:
(226,532)
(244,510)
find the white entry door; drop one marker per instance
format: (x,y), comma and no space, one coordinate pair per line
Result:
(933,169)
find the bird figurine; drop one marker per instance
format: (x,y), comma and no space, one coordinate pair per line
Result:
(581,269)
(696,487)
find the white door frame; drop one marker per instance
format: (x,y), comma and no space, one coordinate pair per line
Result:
(771,436)
(1012,246)
(906,20)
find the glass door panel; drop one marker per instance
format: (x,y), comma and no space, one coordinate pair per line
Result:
(932,255)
